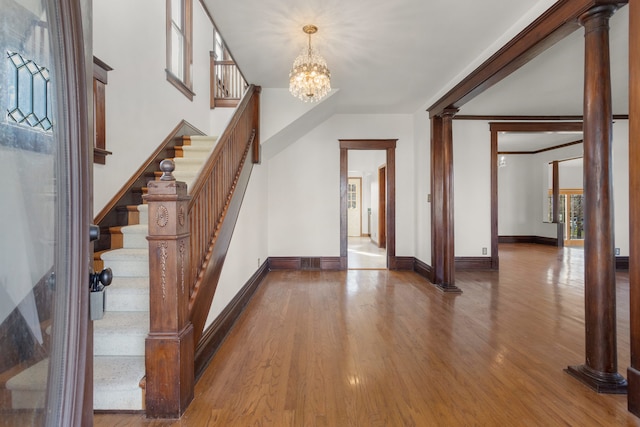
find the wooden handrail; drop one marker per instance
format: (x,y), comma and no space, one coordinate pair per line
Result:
(211,197)
(189,236)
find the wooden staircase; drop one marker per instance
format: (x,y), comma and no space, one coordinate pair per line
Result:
(119,338)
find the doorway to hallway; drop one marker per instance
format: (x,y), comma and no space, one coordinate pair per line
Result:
(363,159)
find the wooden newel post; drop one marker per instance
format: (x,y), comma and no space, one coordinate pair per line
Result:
(169,346)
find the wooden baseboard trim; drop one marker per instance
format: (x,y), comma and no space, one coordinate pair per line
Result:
(215,334)
(401,263)
(307,263)
(473,263)
(622,263)
(423,269)
(551,241)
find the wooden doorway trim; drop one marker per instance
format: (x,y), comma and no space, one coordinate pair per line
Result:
(529,127)
(382,206)
(389,145)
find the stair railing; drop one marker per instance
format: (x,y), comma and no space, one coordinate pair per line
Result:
(227,83)
(189,236)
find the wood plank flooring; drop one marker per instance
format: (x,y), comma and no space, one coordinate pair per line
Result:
(385,348)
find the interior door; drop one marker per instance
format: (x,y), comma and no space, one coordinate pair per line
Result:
(45,332)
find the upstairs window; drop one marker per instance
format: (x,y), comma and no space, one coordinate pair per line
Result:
(179,48)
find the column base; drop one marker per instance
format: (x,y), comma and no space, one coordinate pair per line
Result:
(633,399)
(449,289)
(601,382)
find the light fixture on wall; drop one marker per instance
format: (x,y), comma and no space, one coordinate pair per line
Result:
(309,78)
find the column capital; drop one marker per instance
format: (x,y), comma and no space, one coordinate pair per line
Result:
(601,12)
(449,112)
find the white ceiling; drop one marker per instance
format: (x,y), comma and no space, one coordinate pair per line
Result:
(398,57)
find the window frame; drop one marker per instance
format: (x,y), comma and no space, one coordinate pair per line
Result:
(184,85)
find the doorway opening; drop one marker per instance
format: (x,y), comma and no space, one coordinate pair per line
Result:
(367,188)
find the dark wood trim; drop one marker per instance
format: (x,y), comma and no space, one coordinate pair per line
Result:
(423,269)
(306,263)
(600,369)
(535,127)
(448,203)
(100,70)
(331,263)
(555,192)
(553,25)
(473,263)
(185,86)
(210,274)
(368,144)
(71,394)
(180,85)
(215,334)
(495,128)
(622,263)
(633,372)
(542,150)
(284,263)
(170,344)
(525,118)
(382,207)
(436,198)
(389,145)
(402,263)
(517,239)
(495,259)
(539,240)
(344,182)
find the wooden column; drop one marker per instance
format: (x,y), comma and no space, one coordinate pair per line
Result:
(555,191)
(169,348)
(601,365)
(633,372)
(436,200)
(443,254)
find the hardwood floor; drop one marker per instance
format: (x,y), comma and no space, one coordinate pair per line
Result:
(386,348)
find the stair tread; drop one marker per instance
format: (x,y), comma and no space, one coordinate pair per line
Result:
(117,372)
(33,378)
(124,284)
(125,253)
(120,322)
(135,229)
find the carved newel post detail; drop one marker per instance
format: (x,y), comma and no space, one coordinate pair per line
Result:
(169,346)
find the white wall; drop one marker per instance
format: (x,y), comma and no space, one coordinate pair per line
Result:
(142,107)
(248,249)
(620,163)
(422,166)
(304,186)
(472,187)
(517,196)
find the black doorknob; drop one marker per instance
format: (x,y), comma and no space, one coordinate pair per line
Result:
(97,281)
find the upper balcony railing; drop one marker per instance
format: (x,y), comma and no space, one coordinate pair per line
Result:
(227,83)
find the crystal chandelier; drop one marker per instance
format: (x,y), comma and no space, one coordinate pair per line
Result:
(309,78)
